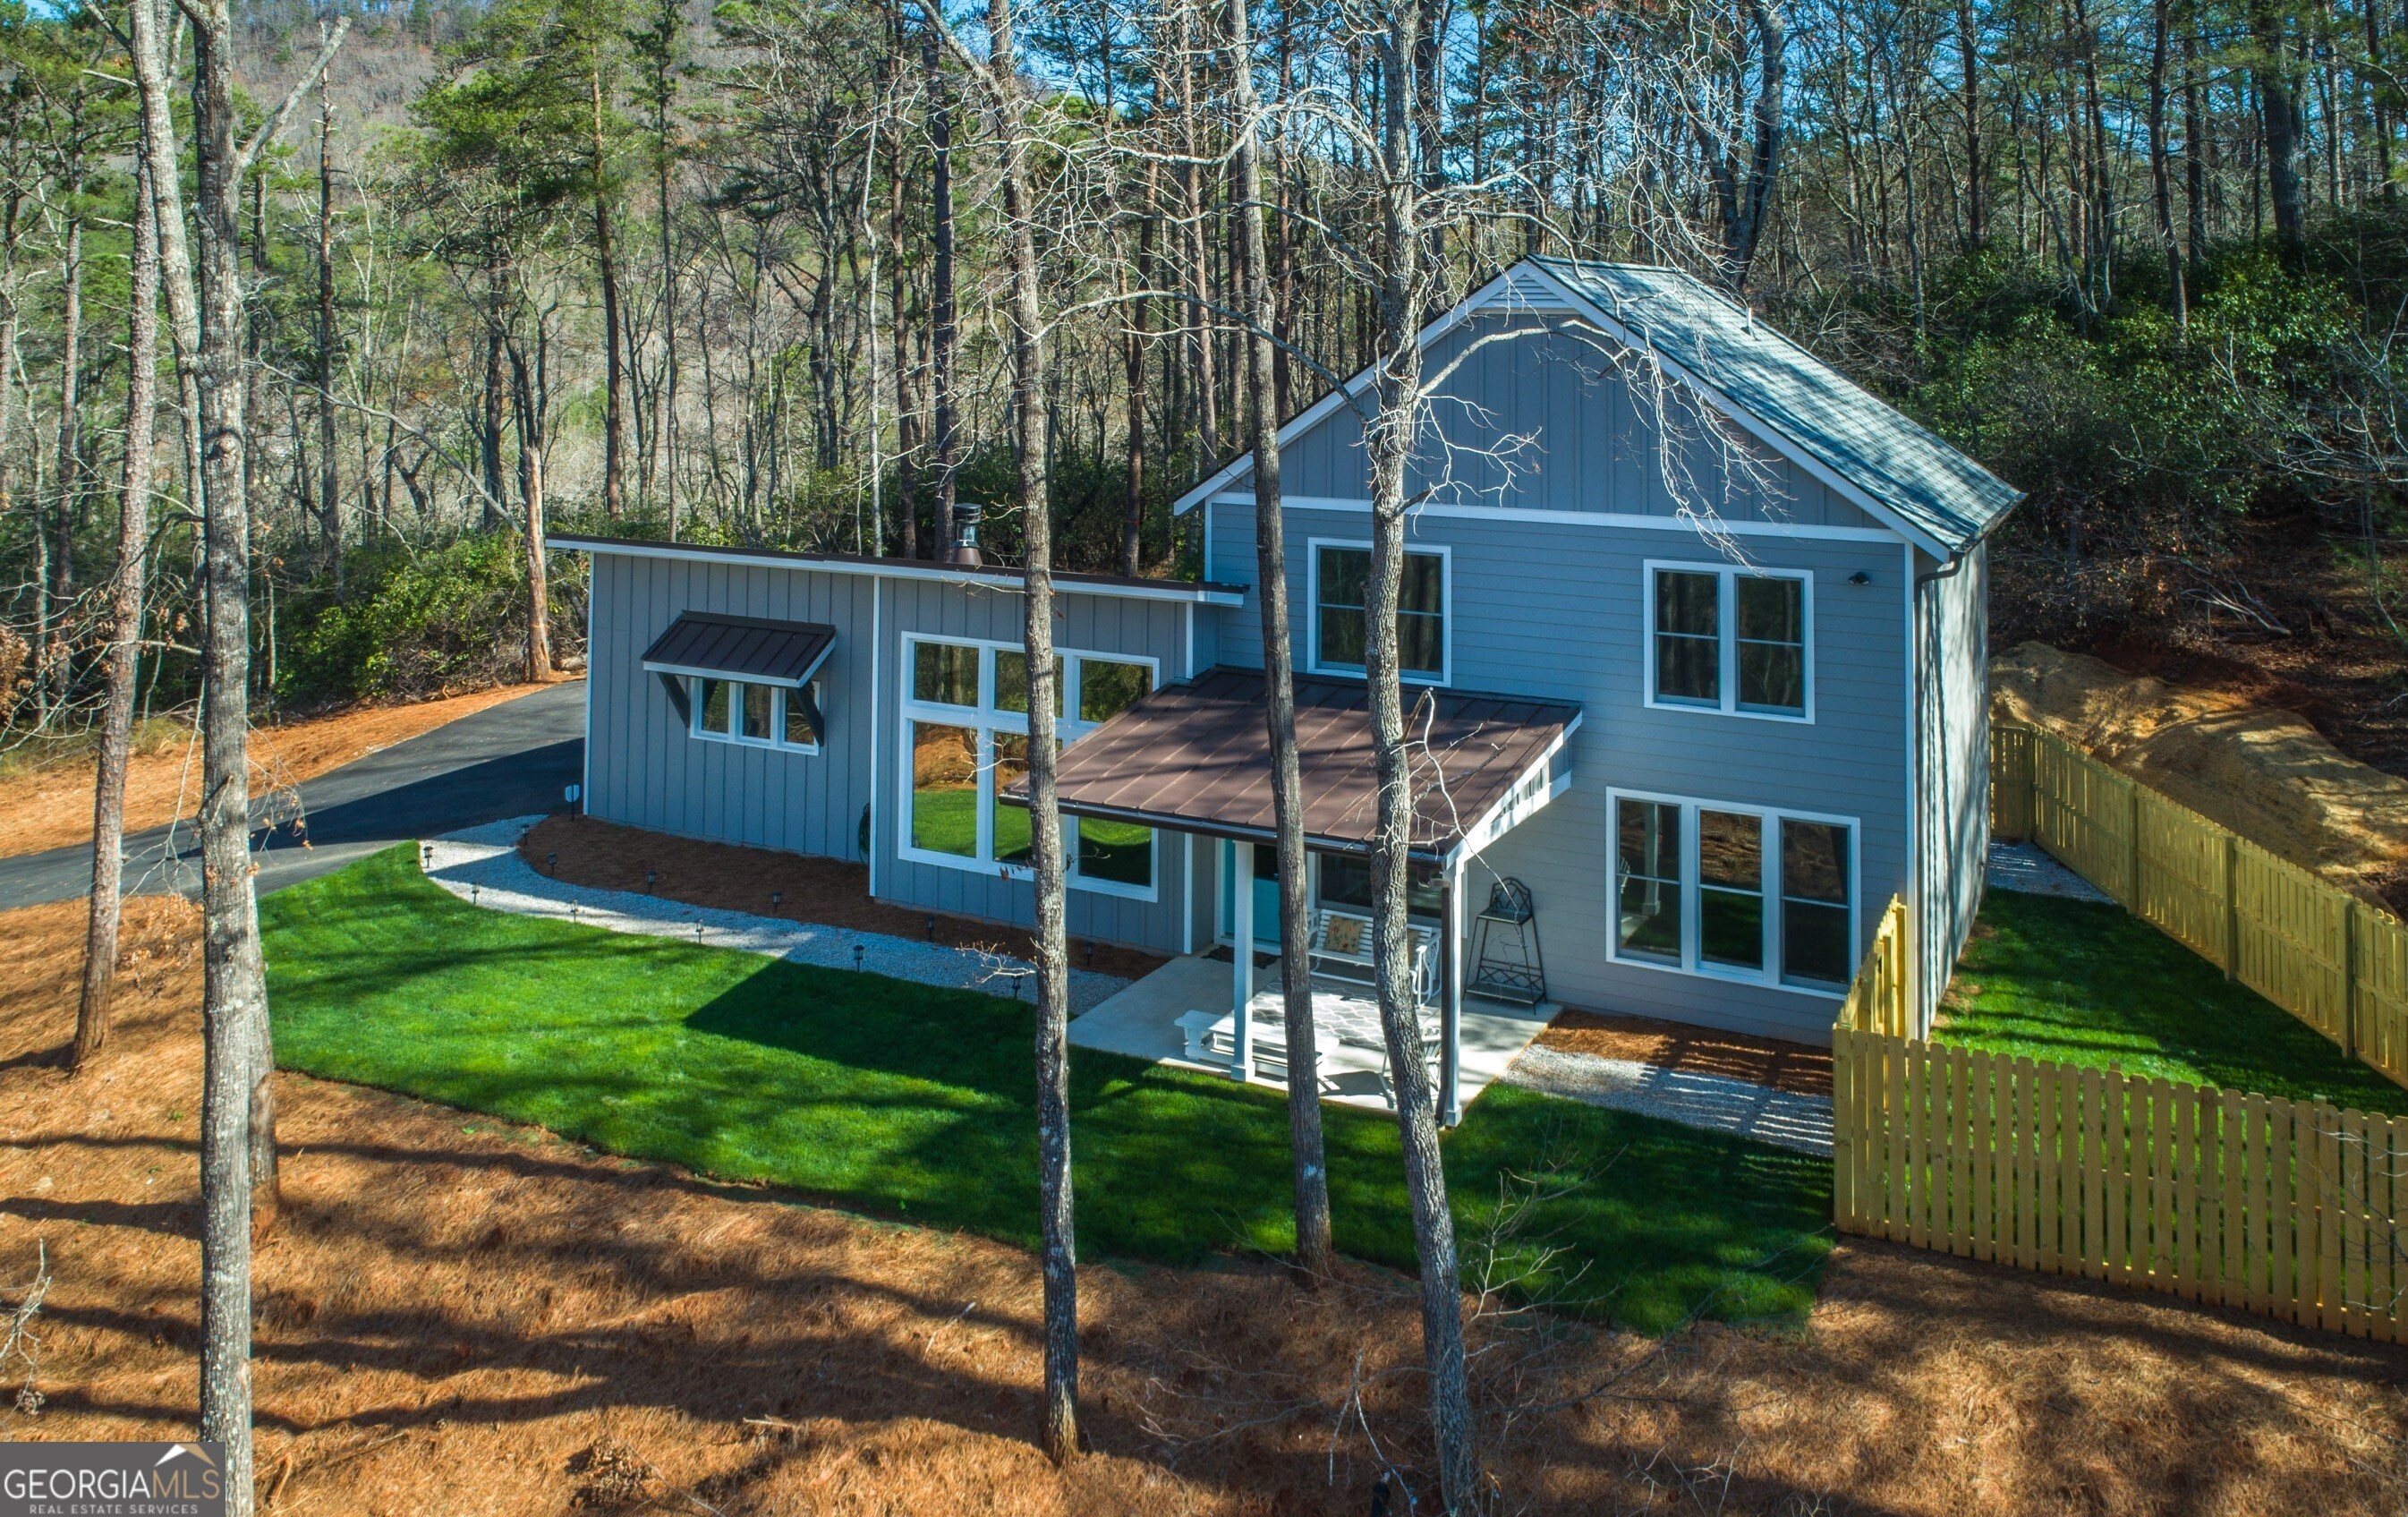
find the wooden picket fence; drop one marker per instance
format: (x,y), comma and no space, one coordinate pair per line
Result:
(2288,1209)
(2334,961)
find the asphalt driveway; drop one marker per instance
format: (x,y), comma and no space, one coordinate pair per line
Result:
(515,759)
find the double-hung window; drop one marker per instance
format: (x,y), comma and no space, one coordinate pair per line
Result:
(1341,584)
(751,712)
(966,734)
(1734,891)
(1728,638)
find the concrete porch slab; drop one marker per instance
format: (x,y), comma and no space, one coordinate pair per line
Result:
(1142,1021)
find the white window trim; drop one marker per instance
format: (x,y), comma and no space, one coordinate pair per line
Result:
(1691,963)
(1445,555)
(1727,637)
(986,720)
(776,742)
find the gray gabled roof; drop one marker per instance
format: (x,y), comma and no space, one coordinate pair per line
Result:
(1773,382)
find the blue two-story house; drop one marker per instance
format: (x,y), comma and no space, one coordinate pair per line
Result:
(1695,628)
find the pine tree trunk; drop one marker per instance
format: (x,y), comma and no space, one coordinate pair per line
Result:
(907,399)
(60,590)
(614,383)
(2278,115)
(1969,95)
(947,339)
(2194,149)
(527,381)
(2160,164)
(125,627)
(1315,1256)
(233,987)
(1389,441)
(492,417)
(330,499)
(1133,362)
(1059,1428)
(668,401)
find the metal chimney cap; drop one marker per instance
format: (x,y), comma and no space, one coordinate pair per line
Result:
(964,550)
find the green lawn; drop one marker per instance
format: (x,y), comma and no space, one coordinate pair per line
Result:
(2086,982)
(914,1102)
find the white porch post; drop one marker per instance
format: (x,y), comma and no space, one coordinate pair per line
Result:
(1449,1068)
(1241,956)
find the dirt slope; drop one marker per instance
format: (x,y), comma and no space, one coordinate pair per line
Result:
(456,1316)
(2262,771)
(52,807)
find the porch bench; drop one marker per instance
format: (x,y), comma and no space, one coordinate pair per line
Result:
(1340,950)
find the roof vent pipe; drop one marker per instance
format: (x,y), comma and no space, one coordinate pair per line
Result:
(965,550)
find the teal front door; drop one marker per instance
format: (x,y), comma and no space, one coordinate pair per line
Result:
(1267,931)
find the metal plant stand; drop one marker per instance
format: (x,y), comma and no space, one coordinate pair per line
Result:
(1505,961)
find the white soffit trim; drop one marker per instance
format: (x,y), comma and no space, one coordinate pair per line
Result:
(1514,807)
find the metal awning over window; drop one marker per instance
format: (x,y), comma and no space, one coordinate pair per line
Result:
(1196,757)
(754,648)
(741,648)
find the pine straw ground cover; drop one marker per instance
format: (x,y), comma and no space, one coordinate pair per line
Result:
(462,1317)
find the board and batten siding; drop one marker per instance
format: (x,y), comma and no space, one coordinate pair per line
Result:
(1554,611)
(1546,420)
(645,769)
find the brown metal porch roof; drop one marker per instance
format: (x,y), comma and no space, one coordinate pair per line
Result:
(1195,757)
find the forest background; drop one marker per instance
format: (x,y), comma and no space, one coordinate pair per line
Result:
(735,276)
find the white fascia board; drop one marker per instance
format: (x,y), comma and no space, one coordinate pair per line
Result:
(1312,415)
(1781,442)
(1170,590)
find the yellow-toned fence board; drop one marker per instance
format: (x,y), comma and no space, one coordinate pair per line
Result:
(2355,1193)
(2181,887)
(2275,1207)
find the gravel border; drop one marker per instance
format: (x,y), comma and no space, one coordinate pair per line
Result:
(1715,1103)
(481,866)
(2024,868)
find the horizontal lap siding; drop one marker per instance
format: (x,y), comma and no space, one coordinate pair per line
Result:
(645,770)
(1084,624)
(1554,611)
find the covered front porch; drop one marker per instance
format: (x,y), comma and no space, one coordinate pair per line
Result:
(1194,758)
(1146,1021)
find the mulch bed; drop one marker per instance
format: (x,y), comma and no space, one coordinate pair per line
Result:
(1798,1068)
(831,892)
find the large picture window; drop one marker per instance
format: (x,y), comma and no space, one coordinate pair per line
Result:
(750,712)
(1734,891)
(1727,637)
(965,727)
(1341,581)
